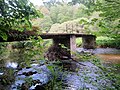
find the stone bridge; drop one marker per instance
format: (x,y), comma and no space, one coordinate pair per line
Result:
(68,40)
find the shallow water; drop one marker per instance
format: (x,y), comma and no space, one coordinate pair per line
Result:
(86,78)
(110,58)
(106,51)
(108,55)
(74,80)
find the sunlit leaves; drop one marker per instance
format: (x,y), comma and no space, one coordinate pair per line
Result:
(3,35)
(17,14)
(108,21)
(110,9)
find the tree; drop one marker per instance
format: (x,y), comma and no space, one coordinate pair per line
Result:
(110,13)
(65,12)
(87,3)
(109,19)
(46,23)
(16,14)
(51,3)
(59,13)
(110,9)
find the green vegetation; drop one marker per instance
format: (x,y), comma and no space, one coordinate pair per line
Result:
(98,17)
(102,42)
(79,42)
(16,15)
(109,70)
(59,13)
(105,42)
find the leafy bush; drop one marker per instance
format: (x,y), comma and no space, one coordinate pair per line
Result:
(105,42)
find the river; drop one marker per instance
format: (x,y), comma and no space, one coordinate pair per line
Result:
(74,80)
(108,55)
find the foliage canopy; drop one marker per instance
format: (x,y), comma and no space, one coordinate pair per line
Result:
(16,14)
(108,22)
(110,13)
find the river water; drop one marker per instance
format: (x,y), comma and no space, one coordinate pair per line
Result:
(108,55)
(74,80)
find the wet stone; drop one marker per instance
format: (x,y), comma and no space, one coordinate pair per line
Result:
(36,75)
(88,76)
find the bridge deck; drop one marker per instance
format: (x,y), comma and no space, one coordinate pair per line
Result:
(61,35)
(21,36)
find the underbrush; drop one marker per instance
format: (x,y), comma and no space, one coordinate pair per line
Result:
(111,71)
(108,43)
(105,42)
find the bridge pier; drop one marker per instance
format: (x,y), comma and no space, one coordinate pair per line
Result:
(66,45)
(69,44)
(89,42)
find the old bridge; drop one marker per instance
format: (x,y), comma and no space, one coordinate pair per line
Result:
(68,40)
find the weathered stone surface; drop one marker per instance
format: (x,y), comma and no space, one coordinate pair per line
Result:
(62,48)
(56,52)
(75,77)
(89,42)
